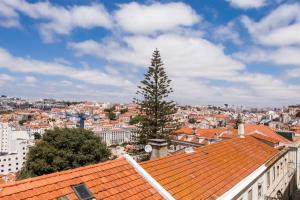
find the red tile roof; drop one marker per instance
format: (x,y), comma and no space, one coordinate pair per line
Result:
(206,133)
(211,170)
(230,133)
(115,179)
(265,130)
(265,138)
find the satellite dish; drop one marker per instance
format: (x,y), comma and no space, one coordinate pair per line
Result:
(148,148)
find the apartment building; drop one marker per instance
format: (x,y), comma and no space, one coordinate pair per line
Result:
(242,168)
(14,144)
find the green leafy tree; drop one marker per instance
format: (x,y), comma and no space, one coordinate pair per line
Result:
(124,110)
(112,116)
(37,136)
(192,121)
(62,149)
(155,107)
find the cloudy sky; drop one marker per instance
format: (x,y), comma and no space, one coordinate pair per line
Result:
(219,51)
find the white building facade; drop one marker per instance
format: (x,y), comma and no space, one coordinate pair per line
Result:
(116,135)
(276,179)
(14,145)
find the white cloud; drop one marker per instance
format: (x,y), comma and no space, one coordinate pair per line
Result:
(8,16)
(280,28)
(55,19)
(147,19)
(30,80)
(184,56)
(245,4)
(4,79)
(280,56)
(227,33)
(27,65)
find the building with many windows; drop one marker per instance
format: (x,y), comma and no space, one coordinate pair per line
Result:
(14,144)
(111,135)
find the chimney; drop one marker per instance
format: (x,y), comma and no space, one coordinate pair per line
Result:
(241,130)
(159,148)
(194,130)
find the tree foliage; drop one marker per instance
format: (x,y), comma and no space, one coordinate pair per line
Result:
(154,105)
(62,149)
(136,119)
(112,116)
(37,136)
(124,110)
(192,121)
(238,121)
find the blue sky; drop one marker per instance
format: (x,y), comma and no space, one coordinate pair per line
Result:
(222,51)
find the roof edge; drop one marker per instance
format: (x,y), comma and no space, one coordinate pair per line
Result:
(230,194)
(162,191)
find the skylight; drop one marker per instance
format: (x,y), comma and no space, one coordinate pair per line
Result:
(82,192)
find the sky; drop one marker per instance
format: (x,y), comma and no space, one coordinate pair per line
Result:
(242,52)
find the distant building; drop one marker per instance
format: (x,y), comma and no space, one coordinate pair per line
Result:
(13,148)
(111,135)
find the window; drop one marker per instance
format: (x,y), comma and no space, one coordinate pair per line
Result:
(82,192)
(277,170)
(273,173)
(259,190)
(268,179)
(250,195)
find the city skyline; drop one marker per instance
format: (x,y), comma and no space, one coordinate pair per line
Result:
(235,52)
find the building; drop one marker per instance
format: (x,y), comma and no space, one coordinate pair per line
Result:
(238,168)
(186,137)
(112,135)
(117,179)
(13,148)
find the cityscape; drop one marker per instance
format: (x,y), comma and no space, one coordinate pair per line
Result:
(149,100)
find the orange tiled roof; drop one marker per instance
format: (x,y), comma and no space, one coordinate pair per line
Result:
(115,179)
(210,170)
(265,130)
(266,138)
(206,133)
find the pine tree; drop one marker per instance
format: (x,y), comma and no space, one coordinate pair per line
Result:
(155,108)
(238,121)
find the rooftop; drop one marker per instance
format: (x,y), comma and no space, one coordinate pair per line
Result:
(115,179)
(211,170)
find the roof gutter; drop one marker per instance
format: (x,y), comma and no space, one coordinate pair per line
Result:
(230,194)
(164,193)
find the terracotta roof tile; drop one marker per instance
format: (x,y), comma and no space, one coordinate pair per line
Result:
(210,170)
(115,179)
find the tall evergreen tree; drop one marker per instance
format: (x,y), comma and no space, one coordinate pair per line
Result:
(238,121)
(155,107)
